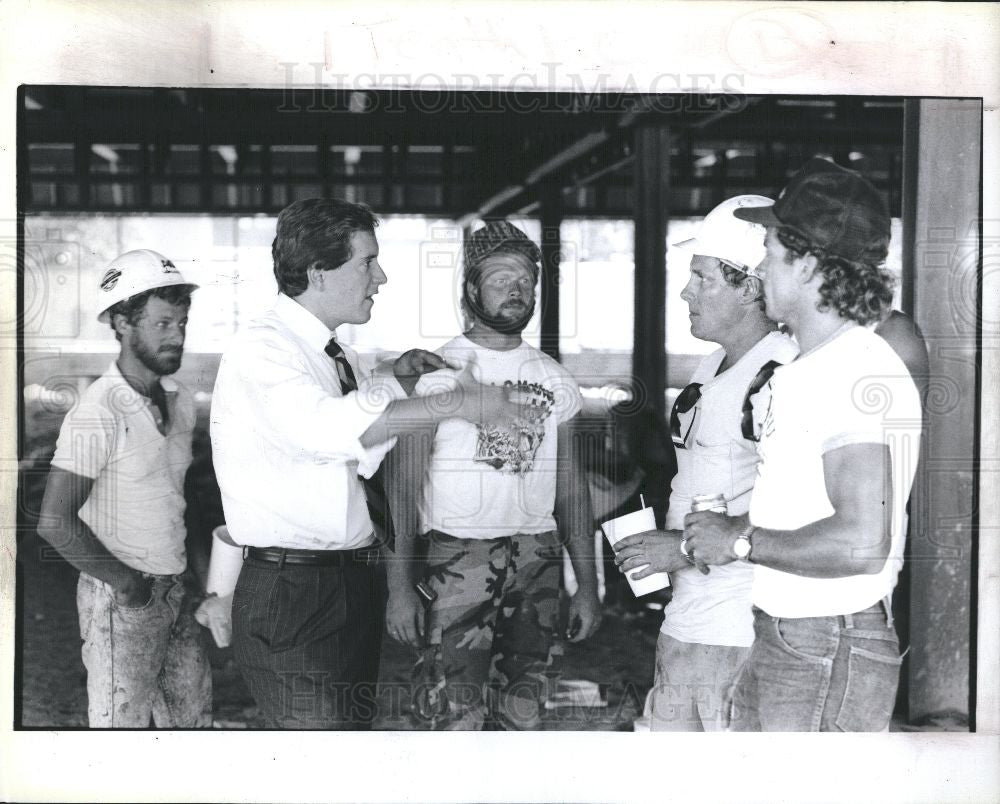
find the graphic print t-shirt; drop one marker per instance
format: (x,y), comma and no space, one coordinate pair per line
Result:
(487,481)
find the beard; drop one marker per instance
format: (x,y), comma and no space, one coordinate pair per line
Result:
(162,362)
(510,319)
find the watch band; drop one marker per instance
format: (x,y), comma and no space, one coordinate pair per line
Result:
(745,536)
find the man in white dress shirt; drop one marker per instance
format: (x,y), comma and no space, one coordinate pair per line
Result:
(296,448)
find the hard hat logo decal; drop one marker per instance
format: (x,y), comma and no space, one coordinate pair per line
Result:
(110,279)
(169,267)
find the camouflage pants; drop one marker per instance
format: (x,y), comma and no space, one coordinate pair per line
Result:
(489,632)
(144,662)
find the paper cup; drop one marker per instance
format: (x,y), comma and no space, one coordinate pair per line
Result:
(225,563)
(636,522)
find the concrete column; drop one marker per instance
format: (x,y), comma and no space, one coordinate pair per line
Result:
(942,201)
(652,185)
(550,214)
(987,636)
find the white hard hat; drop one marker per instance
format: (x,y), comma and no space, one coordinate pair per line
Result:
(725,237)
(132,273)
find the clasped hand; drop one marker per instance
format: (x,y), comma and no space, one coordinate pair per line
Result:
(659,549)
(710,536)
(413,364)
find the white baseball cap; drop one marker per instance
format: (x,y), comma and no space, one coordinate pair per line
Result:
(723,236)
(132,273)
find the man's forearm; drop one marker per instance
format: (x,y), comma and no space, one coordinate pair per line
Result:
(401,565)
(78,545)
(576,528)
(828,548)
(574,513)
(823,549)
(405,471)
(402,415)
(580,547)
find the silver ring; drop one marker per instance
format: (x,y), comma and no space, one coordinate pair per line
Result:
(684,548)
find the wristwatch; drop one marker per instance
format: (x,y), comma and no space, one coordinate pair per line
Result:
(742,546)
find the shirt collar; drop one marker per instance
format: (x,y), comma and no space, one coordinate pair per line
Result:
(749,357)
(133,400)
(303,323)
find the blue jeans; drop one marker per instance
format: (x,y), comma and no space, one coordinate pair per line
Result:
(146,661)
(819,673)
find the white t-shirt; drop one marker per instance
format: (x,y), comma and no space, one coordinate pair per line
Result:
(714,609)
(852,390)
(136,505)
(488,482)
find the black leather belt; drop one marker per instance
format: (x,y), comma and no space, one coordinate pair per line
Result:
(366,556)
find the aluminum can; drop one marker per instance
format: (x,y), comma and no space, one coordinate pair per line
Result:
(709,502)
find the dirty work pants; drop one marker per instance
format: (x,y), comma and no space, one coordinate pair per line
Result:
(146,661)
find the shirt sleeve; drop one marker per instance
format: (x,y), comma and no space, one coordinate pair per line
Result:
(867,409)
(86,440)
(568,399)
(291,409)
(436,382)
(379,379)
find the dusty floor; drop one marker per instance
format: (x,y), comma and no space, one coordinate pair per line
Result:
(53,681)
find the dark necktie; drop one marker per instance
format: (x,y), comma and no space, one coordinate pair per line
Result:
(378,504)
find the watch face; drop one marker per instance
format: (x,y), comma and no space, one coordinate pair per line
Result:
(742,548)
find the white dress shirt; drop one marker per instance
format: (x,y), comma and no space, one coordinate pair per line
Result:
(285,438)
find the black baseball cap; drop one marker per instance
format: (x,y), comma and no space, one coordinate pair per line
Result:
(837,210)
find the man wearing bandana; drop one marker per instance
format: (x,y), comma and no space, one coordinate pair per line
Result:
(497,505)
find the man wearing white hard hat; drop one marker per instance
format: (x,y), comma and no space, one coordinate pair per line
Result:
(708,626)
(114,508)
